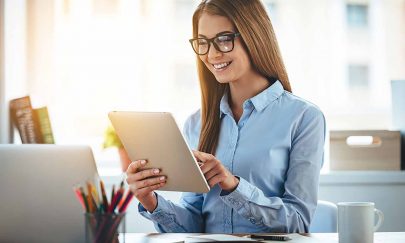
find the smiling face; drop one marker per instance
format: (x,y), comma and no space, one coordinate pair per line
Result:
(226,67)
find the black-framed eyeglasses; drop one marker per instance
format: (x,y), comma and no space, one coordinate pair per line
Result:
(223,43)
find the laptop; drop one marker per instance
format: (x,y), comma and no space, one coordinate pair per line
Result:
(37,201)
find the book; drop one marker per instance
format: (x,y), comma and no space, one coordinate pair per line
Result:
(33,125)
(24,119)
(44,125)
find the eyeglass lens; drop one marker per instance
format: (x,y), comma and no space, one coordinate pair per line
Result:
(223,43)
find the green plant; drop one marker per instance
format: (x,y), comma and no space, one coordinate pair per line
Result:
(111,139)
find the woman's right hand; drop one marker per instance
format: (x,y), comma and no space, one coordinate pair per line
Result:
(143,182)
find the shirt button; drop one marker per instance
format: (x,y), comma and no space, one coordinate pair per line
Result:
(252,220)
(227,221)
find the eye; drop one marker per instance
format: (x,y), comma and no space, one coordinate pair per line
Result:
(202,42)
(224,38)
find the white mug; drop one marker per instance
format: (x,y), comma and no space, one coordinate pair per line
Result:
(356,222)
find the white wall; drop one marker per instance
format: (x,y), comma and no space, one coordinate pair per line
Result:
(3,113)
(13,81)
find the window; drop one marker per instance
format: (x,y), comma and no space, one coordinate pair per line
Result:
(357,15)
(89,57)
(358,76)
(271,10)
(183,10)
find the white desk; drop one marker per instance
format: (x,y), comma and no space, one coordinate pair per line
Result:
(380,237)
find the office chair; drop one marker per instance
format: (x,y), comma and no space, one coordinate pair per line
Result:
(325,218)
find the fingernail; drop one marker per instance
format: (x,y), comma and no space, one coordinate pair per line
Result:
(162,178)
(155,171)
(143,162)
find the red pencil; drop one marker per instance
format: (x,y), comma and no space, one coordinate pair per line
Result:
(116,199)
(128,199)
(79,197)
(124,196)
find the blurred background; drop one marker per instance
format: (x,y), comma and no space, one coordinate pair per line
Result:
(84,58)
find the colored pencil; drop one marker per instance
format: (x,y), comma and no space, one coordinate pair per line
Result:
(92,204)
(79,196)
(113,202)
(112,194)
(124,196)
(95,193)
(119,195)
(128,199)
(84,199)
(105,201)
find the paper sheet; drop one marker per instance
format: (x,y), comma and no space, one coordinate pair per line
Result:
(216,237)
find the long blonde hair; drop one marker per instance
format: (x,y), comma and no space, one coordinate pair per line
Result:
(252,22)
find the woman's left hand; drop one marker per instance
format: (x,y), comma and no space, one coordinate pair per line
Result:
(215,172)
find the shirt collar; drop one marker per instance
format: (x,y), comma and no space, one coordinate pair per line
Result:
(260,101)
(264,98)
(224,108)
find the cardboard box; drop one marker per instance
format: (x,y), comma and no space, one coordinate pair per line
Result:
(365,150)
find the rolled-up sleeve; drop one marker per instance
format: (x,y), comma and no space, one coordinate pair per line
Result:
(176,218)
(294,210)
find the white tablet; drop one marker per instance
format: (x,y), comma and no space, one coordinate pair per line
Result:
(155,137)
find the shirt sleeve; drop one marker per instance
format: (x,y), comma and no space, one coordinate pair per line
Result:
(169,217)
(185,217)
(294,210)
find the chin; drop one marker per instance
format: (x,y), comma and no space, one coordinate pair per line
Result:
(223,80)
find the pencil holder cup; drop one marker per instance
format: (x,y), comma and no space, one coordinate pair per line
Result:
(104,227)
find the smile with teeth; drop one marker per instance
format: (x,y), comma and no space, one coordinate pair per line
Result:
(221,65)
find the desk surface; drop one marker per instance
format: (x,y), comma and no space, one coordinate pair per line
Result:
(379,237)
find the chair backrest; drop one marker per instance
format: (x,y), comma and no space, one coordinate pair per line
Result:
(325,218)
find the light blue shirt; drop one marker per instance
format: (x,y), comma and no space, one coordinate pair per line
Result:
(276,149)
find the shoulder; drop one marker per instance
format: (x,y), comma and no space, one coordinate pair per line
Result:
(308,117)
(300,106)
(304,115)
(193,120)
(192,128)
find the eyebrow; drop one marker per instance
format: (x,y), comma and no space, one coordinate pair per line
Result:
(220,33)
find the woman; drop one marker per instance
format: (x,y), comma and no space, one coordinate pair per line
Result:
(260,147)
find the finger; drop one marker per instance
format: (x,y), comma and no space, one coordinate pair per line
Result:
(195,153)
(149,182)
(131,178)
(203,156)
(209,165)
(210,174)
(145,174)
(135,166)
(216,179)
(146,190)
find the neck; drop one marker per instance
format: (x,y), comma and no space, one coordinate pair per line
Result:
(241,90)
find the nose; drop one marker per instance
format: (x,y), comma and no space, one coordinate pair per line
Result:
(213,52)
